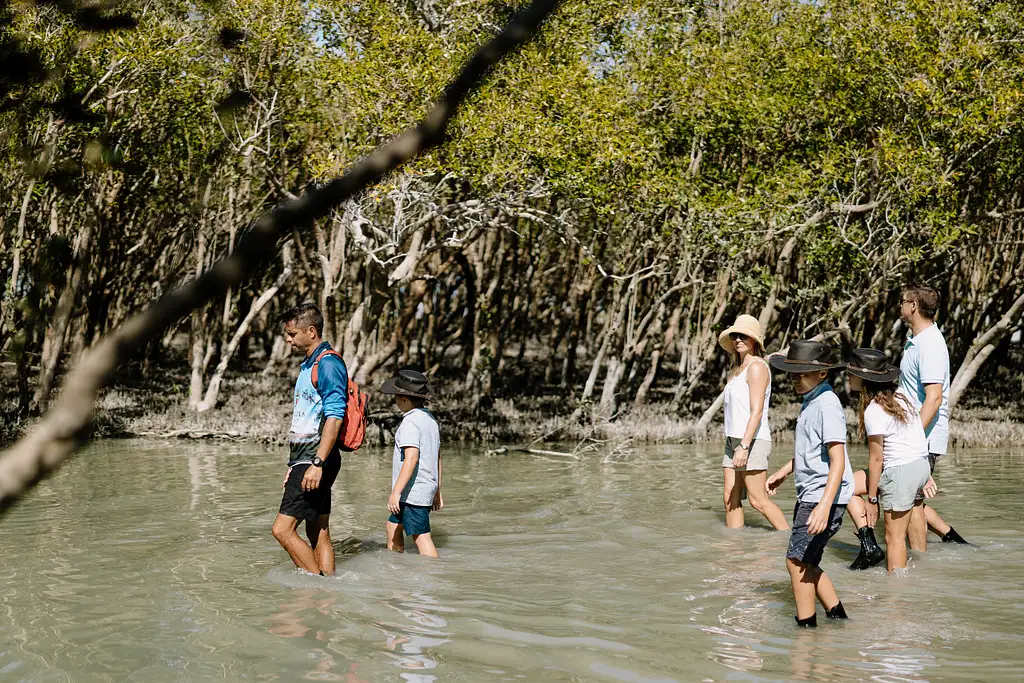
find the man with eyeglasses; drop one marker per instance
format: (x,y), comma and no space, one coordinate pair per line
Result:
(924,377)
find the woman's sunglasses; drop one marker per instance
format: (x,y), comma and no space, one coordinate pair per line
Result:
(738,336)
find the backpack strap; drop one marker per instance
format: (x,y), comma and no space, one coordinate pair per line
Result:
(327,352)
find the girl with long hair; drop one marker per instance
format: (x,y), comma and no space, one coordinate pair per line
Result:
(897,450)
(748,439)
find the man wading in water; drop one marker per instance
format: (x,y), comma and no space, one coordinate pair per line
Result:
(314,457)
(924,378)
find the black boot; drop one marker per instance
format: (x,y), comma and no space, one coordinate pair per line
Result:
(836,612)
(870,553)
(953,537)
(809,622)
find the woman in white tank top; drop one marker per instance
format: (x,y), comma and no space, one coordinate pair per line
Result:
(748,439)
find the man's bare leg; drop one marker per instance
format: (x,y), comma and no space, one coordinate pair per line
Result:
(917,533)
(319,535)
(300,552)
(425,544)
(396,537)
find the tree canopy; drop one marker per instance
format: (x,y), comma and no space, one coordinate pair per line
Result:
(641,173)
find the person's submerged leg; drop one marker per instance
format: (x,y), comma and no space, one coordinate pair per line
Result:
(941,528)
(754,483)
(300,552)
(319,535)
(395,536)
(856,506)
(733,495)
(803,591)
(425,544)
(826,593)
(870,553)
(858,513)
(917,531)
(897,523)
(935,522)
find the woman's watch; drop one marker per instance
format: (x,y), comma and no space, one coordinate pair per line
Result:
(744,447)
(873,500)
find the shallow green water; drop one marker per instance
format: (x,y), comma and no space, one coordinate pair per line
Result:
(153,561)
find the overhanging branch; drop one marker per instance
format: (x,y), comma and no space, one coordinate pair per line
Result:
(66,425)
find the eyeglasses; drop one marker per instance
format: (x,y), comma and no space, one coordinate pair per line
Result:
(906,301)
(738,336)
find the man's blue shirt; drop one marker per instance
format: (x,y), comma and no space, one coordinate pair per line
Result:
(313,405)
(331,381)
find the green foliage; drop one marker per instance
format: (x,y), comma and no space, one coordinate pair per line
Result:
(658,131)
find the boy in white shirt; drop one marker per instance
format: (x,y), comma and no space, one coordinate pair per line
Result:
(416,465)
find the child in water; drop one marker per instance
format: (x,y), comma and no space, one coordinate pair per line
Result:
(416,465)
(824,478)
(898,450)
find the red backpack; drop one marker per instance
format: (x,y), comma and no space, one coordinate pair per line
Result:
(353,427)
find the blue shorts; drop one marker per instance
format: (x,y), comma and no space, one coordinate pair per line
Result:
(414,518)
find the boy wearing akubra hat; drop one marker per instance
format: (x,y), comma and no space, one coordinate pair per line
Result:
(823,477)
(415,466)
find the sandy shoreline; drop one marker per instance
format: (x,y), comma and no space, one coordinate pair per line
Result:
(257,409)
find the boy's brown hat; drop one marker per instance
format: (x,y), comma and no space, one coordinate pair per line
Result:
(408,383)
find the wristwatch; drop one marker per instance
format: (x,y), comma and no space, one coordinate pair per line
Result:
(744,447)
(317,462)
(873,500)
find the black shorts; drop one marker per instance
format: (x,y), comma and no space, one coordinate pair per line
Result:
(808,549)
(309,505)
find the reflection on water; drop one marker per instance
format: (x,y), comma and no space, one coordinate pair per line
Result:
(409,640)
(153,561)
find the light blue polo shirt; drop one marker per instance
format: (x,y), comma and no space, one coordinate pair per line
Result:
(926,361)
(821,422)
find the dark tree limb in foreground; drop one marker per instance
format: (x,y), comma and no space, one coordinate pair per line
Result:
(66,425)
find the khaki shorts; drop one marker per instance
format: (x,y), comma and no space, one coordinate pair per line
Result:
(757,459)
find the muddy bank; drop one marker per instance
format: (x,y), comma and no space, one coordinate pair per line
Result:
(257,408)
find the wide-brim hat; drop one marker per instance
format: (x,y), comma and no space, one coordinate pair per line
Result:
(408,383)
(805,355)
(745,324)
(871,365)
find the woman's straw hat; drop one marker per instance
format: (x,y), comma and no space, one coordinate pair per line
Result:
(745,324)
